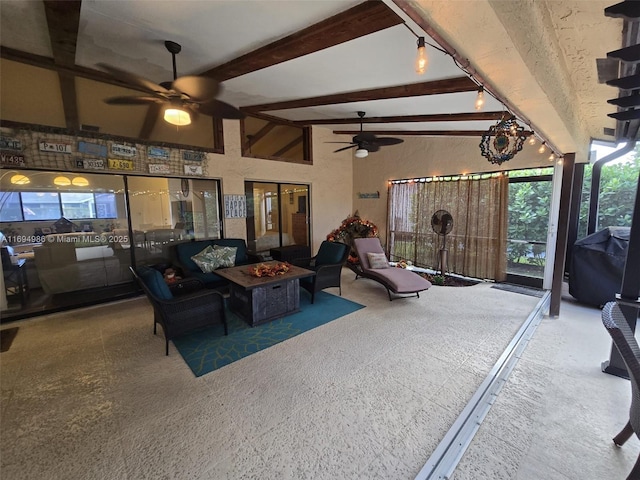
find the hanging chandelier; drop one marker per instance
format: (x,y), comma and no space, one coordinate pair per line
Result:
(503,140)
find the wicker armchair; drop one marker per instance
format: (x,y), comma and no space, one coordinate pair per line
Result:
(624,340)
(183,312)
(327,264)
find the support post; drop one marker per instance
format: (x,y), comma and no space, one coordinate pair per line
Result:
(561,239)
(628,299)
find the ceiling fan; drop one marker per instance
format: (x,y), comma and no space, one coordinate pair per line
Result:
(184,98)
(366,142)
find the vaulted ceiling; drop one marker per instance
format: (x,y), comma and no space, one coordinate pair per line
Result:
(319,62)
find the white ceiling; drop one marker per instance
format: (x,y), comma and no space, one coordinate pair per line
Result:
(539,56)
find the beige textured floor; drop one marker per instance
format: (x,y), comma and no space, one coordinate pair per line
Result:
(89,394)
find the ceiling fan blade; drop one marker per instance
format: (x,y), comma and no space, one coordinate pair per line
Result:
(384,141)
(199,89)
(133,79)
(371,147)
(364,137)
(218,109)
(344,148)
(132,100)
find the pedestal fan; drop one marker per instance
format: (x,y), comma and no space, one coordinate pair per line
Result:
(442,223)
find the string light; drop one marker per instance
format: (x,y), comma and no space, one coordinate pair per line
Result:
(552,157)
(542,148)
(532,139)
(421,58)
(480,99)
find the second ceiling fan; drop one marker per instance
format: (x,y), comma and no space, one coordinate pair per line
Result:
(366,142)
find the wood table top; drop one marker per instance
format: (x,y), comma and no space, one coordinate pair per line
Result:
(240,275)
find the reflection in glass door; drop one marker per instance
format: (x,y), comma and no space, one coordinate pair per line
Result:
(169,210)
(277,216)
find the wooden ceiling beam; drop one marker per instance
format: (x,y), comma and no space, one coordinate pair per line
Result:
(363,19)
(288,146)
(436,87)
(63,21)
(416,133)
(253,139)
(438,117)
(49,64)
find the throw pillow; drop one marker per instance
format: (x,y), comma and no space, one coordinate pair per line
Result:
(377,260)
(206,260)
(225,256)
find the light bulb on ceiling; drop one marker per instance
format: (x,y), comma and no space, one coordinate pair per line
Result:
(532,139)
(62,181)
(552,157)
(20,180)
(80,182)
(541,149)
(177,116)
(480,99)
(421,59)
(361,153)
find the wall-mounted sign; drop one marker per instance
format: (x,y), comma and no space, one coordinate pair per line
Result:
(159,168)
(235,206)
(193,156)
(119,164)
(11,159)
(93,149)
(10,143)
(90,163)
(158,153)
(369,195)
(123,150)
(55,147)
(193,170)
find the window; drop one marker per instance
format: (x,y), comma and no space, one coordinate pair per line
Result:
(40,206)
(10,207)
(53,205)
(275,141)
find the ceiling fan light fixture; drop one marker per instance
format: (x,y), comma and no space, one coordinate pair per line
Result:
(177,116)
(421,58)
(361,153)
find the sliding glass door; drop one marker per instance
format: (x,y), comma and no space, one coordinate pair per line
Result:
(69,238)
(277,216)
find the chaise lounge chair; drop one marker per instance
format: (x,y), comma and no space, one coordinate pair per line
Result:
(375,266)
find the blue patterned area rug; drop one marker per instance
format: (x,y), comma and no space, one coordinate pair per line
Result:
(209,349)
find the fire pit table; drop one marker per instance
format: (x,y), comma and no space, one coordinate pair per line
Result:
(262,299)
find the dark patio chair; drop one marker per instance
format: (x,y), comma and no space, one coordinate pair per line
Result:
(327,264)
(180,313)
(624,340)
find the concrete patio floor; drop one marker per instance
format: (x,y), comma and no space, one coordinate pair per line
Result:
(89,394)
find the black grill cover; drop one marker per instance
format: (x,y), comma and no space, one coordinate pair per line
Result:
(597,265)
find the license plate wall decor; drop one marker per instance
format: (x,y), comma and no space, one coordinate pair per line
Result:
(12,159)
(9,143)
(159,168)
(93,149)
(55,147)
(120,164)
(123,150)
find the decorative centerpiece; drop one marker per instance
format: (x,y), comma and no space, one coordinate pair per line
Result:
(269,270)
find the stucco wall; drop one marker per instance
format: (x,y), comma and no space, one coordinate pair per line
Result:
(425,157)
(330,180)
